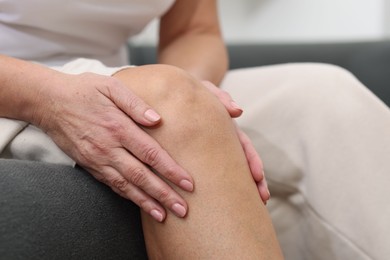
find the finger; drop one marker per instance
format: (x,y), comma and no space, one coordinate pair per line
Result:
(255,165)
(132,105)
(254,161)
(149,151)
(142,177)
(127,190)
(263,190)
(225,98)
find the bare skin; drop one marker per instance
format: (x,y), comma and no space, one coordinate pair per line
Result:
(161,138)
(67,107)
(226,218)
(195,44)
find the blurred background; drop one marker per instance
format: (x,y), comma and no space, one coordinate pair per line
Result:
(289,21)
(353,34)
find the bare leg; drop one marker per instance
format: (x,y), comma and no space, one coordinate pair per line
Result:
(226,218)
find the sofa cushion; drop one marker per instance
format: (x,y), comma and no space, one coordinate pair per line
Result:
(368,61)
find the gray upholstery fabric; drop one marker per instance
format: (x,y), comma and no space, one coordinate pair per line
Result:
(368,61)
(50,211)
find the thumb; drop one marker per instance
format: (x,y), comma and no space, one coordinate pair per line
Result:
(131,104)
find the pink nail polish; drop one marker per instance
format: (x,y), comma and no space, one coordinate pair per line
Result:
(187,185)
(179,210)
(156,215)
(152,115)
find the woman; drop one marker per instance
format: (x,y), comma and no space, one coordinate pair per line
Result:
(158,135)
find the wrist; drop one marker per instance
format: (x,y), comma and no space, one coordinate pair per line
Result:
(22,88)
(44,97)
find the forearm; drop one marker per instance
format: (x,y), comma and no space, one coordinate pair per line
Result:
(21,83)
(202,55)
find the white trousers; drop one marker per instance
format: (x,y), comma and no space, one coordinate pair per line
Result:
(325,142)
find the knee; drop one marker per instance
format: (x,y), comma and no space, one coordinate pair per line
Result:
(189,107)
(186,106)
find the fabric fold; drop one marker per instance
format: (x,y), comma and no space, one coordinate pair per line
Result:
(9,128)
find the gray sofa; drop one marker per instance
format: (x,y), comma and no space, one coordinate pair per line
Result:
(50,211)
(368,61)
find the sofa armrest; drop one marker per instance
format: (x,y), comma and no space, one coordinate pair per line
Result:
(50,211)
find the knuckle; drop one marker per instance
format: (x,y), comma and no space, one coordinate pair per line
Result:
(88,152)
(151,155)
(133,102)
(94,154)
(119,183)
(143,203)
(114,127)
(138,177)
(163,195)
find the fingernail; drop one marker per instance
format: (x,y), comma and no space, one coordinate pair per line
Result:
(152,115)
(187,185)
(179,210)
(157,215)
(235,106)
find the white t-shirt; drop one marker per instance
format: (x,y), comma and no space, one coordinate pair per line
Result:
(54,32)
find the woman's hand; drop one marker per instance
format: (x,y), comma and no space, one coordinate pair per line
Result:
(254,161)
(95,120)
